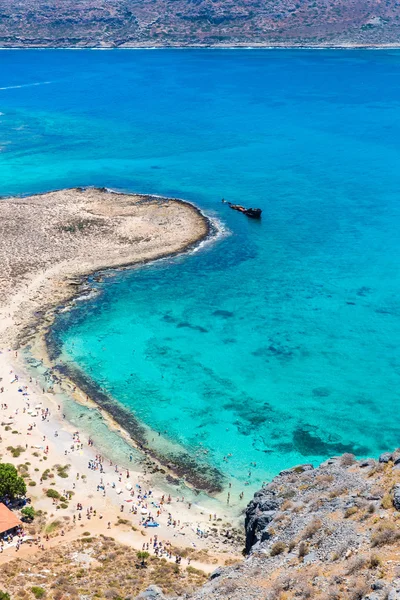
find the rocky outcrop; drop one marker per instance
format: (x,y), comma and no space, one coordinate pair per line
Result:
(325,533)
(153,592)
(396,496)
(260,512)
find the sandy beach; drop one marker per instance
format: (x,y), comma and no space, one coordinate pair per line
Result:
(49,243)
(44,261)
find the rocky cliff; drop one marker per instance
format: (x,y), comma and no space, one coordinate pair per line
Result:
(124,23)
(329,533)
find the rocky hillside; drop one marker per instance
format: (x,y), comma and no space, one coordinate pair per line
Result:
(123,23)
(331,533)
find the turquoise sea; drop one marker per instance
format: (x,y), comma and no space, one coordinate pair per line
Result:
(278,343)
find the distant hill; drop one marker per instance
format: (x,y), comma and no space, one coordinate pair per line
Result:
(119,23)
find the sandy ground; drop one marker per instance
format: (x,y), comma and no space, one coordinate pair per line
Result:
(48,243)
(180,523)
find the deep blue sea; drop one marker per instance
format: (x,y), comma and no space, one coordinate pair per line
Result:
(279,343)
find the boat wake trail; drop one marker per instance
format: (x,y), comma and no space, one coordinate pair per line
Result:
(25,85)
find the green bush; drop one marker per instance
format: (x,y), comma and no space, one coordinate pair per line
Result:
(38,592)
(4,596)
(52,494)
(28,512)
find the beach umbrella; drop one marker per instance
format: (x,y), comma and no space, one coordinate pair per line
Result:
(128,487)
(144,511)
(119,491)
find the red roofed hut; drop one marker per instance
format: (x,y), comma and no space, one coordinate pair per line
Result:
(8,521)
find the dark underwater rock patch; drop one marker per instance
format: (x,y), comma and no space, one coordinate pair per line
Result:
(321,392)
(363,291)
(201,476)
(309,443)
(226,314)
(275,350)
(183,324)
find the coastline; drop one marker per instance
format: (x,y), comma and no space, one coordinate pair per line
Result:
(24,342)
(68,277)
(244,46)
(34,333)
(41,433)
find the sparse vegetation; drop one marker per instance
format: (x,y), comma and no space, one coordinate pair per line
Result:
(50,493)
(349,512)
(16,452)
(347,460)
(387,501)
(386,533)
(278,548)
(311,529)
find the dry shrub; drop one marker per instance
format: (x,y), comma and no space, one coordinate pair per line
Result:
(228,587)
(323,479)
(347,460)
(374,561)
(278,548)
(359,590)
(311,529)
(384,534)
(303,549)
(352,510)
(111,593)
(387,501)
(356,564)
